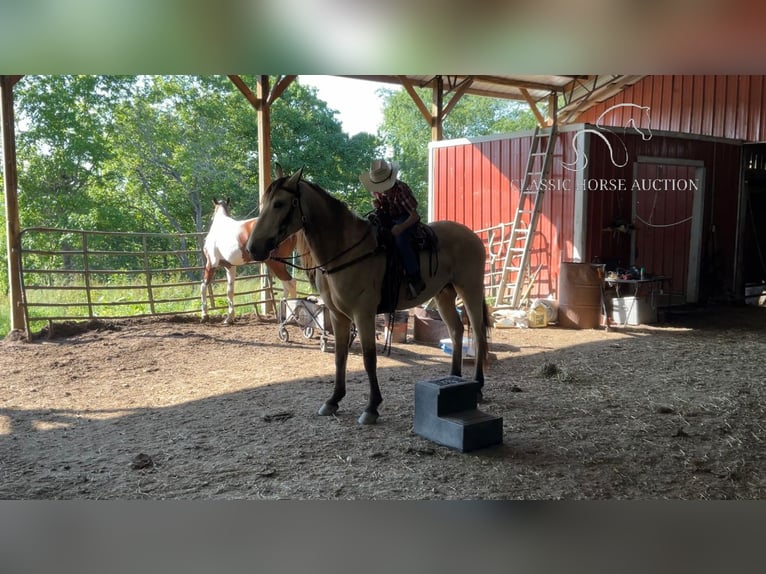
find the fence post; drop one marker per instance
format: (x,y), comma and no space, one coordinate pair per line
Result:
(10,186)
(148,271)
(86,274)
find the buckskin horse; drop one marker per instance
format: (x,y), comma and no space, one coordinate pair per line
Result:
(225,247)
(351,272)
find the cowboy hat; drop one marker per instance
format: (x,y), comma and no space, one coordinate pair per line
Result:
(381,176)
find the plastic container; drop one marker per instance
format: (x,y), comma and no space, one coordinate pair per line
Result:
(469,349)
(633,311)
(537,317)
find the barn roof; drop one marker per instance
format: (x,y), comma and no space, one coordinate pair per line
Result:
(578,92)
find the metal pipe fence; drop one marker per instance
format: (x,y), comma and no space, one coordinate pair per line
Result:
(71,275)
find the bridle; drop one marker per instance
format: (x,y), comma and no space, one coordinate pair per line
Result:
(282,230)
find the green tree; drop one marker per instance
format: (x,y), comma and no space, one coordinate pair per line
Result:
(406,134)
(178,144)
(62,146)
(306,133)
(150,153)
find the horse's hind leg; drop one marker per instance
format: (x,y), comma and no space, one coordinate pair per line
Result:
(445,302)
(207,275)
(476,308)
(477,315)
(231,275)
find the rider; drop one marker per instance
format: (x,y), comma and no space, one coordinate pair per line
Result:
(395,199)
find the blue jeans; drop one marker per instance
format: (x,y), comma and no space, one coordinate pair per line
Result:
(404,245)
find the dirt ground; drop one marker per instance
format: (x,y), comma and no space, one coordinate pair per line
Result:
(175,409)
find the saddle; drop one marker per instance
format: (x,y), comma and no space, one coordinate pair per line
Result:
(423,239)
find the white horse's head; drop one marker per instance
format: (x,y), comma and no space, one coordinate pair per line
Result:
(222,207)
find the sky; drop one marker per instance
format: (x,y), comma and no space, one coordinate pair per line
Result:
(359,107)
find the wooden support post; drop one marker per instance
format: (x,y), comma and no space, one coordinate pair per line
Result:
(433,116)
(553,111)
(264,135)
(10,186)
(437,110)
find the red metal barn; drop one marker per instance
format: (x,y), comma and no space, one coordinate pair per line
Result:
(477,183)
(665,201)
(723,107)
(671,177)
(719,106)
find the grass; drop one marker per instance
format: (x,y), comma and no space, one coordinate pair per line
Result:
(5,315)
(130,301)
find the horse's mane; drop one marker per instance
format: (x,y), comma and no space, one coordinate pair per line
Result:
(302,249)
(274,185)
(305,260)
(335,203)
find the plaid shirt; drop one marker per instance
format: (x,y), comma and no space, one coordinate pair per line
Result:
(397,201)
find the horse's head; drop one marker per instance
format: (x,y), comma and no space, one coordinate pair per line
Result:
(222,206)
(281,216)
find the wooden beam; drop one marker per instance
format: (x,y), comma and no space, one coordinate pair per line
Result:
(488,94)
(437,128)
(261,100)
(10,187)
(281,85)
(393,80)
(416,98)
(515,83)
(533,107)
(246,91)
(264,136)
(459,93)
(552,118)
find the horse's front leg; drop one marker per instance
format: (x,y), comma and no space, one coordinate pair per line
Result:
(366,329)
(231,275)
(290,289)
(341,327)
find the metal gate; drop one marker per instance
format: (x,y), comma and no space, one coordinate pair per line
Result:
(71,275)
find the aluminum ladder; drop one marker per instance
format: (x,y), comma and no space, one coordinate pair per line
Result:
(511,290)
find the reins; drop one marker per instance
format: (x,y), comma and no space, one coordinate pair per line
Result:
(323,267)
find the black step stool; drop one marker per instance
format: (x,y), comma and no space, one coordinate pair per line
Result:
(446,413)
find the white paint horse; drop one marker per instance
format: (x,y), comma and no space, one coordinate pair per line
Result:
(225,247)
(351,272)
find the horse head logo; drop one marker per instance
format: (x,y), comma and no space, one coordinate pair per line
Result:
(646,135)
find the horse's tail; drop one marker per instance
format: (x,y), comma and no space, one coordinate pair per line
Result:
(487,328)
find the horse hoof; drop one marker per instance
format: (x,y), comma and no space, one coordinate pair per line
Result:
(479,397)
(368,418)
(327,410)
